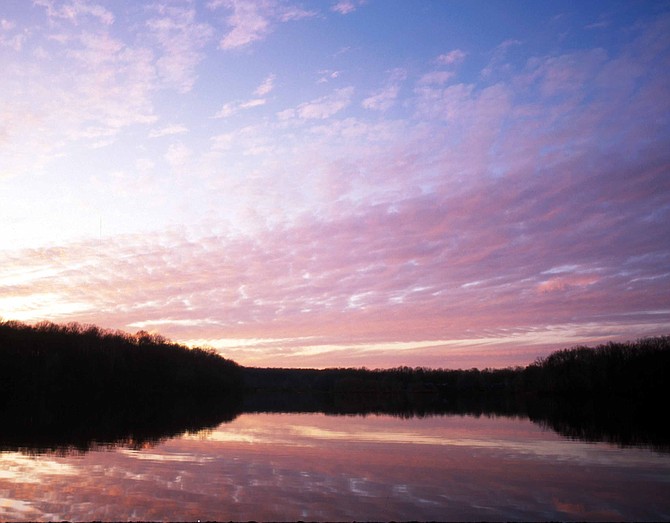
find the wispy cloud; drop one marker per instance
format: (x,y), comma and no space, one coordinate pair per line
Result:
(454,57)
(436,77)
(75,10)
(517,253)
(181,39)
(389,272)
(253,20)
(382,99)
(231,108)
(385,98)
(323,107)
(106,87)
(169,130)
(602,22)
(436,213)
(327,75)
(266,86)
(249,22)
(178,155)
(345,7)
(6,25)
(499,57)
(10,37)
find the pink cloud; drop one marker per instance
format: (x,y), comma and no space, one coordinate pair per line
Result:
(520,215)
(231,108)
(345,7)
(73,11)
(564,283)
(436,77)
(249,21)
(452,57)
(181,39)
(433,266)
(253,20)
(383,99)
(326,106)
(266,86)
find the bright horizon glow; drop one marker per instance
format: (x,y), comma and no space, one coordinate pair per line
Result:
(339,183)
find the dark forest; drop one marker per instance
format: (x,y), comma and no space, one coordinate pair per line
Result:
(76,386)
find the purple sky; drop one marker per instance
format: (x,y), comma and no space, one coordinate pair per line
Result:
(354,183)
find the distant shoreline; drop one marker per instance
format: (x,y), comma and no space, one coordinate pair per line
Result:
(77,386)
(65,360)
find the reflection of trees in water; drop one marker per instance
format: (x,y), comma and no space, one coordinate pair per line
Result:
(69,428)
(147,423)
(76,387)
(618,422)
(607,393)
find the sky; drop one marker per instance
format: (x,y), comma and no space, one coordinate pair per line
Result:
(339,183)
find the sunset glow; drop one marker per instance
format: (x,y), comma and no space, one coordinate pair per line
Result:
(339,183)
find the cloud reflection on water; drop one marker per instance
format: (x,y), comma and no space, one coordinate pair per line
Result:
(307,466)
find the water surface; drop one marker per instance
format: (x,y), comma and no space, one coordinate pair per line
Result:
(320,467)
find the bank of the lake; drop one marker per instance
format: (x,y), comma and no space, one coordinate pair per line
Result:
(73,386)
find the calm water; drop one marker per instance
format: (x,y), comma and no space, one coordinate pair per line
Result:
(319,467)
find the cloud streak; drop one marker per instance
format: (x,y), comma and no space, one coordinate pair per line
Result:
(474,209)
(252,21)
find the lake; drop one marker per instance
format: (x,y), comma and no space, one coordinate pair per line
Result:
(292,466)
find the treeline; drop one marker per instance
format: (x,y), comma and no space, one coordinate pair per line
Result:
(47,367)
(608,393)
(634,370)
(77,386)
(49,363)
